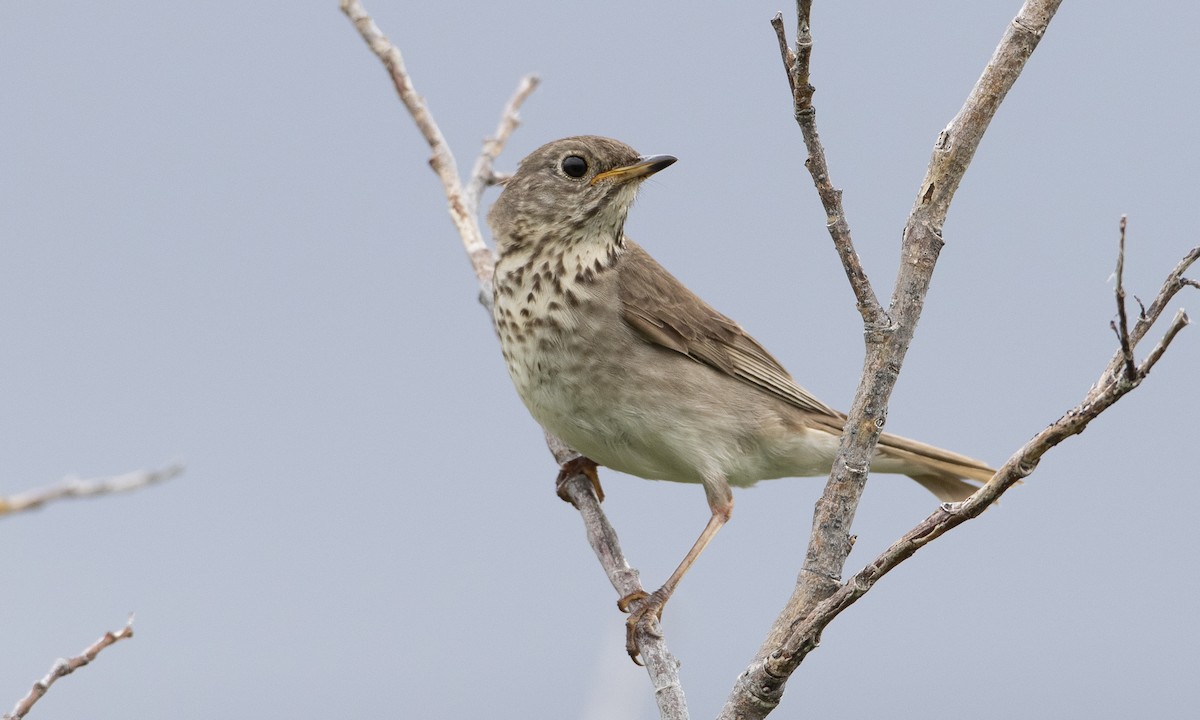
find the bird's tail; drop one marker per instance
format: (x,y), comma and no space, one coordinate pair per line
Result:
(941,472)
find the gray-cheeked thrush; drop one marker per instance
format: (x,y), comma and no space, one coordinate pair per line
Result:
(621,361)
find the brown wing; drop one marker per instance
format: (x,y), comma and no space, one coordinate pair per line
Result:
(664,312)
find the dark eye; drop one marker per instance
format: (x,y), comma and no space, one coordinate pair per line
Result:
(574,166)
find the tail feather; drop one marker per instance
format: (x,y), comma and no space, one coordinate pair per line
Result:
(941,472)
(948,475)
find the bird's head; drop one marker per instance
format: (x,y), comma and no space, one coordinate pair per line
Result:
(577,187)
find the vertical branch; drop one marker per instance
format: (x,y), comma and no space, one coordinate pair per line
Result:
(888,336)
(796,65)
(1121,325)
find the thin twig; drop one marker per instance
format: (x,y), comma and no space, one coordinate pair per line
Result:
(1179,322)
(442,160)
(66,667)
(660,664)
(785,52)
(1175,282)
(796,64)
(483,175)
(1121,325)
(74,487)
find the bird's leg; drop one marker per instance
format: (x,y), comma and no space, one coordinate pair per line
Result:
(578,464)
(650,605)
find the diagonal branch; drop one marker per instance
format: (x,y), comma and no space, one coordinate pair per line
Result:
(1110,388)
(1113,384)
(483,175)
(73,487)
(461,205)
(660,664)
(62,668)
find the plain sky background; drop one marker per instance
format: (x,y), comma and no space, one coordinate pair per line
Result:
(220,242)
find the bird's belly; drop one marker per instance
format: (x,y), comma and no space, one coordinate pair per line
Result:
(590,404)
(581,392)
(674,429)
(646,411)
(661,436)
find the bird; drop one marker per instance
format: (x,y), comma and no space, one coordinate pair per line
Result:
(620,360)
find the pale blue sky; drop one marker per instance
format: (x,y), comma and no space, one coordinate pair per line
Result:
(220,242)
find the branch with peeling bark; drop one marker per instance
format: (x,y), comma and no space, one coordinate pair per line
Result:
(64,667)
(662,667)
(73,487)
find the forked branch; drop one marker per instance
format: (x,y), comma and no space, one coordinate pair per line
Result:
(820,596)
(1109,388)
(888,335)
(464,203)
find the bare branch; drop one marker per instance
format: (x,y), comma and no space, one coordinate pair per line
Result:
(483,175)
(785,52)
(73,487)
(771,670)
(1121,327)
(1107,391)
(1179,322)
(660,664)
(442,160)
(759,689)
(806,634)
(797,66)
(1174,283)
(66,667)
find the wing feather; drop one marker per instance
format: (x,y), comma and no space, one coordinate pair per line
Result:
(664,312)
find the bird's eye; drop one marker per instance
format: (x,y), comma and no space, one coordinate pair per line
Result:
(574,166)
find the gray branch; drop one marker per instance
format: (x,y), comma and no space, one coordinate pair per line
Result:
(64,667)
(463,205)
(74,487)
(804,636)
(760,688)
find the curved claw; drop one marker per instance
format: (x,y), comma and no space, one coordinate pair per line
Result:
(643,618)
(578,465)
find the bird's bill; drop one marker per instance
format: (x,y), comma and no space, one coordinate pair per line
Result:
(644,167)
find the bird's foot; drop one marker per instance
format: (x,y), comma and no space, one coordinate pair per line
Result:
(569,469)
(642,618)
